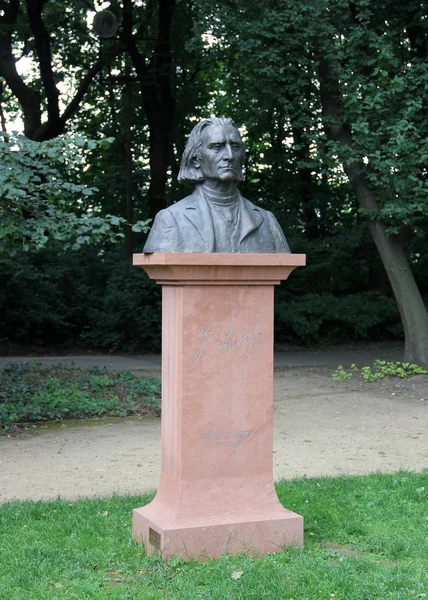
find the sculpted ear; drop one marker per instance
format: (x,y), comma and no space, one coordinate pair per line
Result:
(196,162)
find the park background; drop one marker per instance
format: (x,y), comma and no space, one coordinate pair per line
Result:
(330,96)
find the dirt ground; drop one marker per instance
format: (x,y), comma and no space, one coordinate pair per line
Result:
(321,427)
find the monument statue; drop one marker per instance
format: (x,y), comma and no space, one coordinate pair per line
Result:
(215,217)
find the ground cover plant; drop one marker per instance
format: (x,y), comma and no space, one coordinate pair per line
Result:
(365,539)
(380,369)
(31,392)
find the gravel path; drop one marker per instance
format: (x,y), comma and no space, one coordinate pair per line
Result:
(321,427)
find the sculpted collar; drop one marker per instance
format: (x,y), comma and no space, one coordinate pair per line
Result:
(198,213)
(219,198)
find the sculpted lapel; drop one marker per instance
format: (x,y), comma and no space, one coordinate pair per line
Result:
(251,217)
(198,213)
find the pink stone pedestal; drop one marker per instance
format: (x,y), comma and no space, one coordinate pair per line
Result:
(216,492)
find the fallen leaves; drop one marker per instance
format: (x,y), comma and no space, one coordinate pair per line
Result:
(237,575)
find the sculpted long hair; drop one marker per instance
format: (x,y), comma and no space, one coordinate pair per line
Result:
(189,174)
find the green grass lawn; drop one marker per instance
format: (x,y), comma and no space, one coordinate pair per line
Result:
(365,538)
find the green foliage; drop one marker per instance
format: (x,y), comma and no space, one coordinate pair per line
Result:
(85,297)
(340,374)
(380,369)
(366,544)
(272,52)
(128,316)
(317,318)
(31,393)
(329,91)
(98,299)
(257,62)
(43,199)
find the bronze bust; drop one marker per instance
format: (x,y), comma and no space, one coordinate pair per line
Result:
(215,217)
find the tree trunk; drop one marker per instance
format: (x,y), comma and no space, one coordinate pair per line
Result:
(2,115)
(305,183)
(159,156)
(409,300)
(42,44)
(413,312)
(28,98)
(160,106)
(127,147)
(155,79)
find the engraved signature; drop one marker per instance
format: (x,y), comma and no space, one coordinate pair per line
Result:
(232,341)
(203,338)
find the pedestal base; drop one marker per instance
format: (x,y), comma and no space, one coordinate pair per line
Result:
(216,492)
(251,536)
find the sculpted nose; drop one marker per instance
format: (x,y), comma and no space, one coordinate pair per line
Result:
(227,153)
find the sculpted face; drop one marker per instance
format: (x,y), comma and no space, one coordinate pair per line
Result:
(221,155)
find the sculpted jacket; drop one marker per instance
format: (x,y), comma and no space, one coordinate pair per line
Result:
(187,226)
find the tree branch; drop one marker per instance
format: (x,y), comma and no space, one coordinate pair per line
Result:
(44,53)
(28,98)
(86,82)
(49,130)
(2,117)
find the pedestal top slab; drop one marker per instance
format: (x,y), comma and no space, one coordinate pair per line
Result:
(220,258)
(188,268)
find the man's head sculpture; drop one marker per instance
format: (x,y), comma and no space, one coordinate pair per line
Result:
(189,173)
(215,217)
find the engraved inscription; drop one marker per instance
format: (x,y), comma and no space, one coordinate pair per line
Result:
(228,444)
(227,439)
(226,435)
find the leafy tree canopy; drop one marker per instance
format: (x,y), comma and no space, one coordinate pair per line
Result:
(42,197)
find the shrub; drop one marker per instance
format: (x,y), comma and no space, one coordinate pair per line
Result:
(96,298)
(89,296)
(317,318)
(128,318)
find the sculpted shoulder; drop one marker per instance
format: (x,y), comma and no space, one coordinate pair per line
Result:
(178,207)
